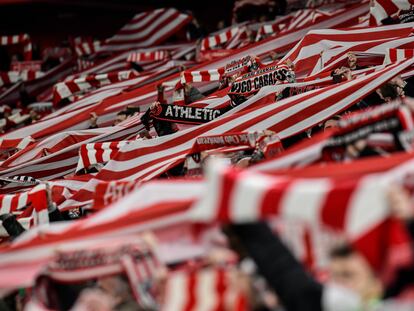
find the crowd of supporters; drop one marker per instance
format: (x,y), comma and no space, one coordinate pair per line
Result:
(248,265)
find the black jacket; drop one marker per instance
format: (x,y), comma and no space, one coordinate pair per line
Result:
(297,290)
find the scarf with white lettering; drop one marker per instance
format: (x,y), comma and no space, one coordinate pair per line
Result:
(184,114)
(252,82)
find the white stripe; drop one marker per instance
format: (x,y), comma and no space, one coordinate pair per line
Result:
(6,204)
(206,298)
(22,200)
(107,151)
(175,298)
(247,197)
(304,200)
(367,206)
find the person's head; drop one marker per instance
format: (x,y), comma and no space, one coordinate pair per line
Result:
(187,88)
(263,18)
(350,269)
(221,24)
(160,88)
(388,92)
(117,287)
(145,134)
(121,116)
(33,115)
(352,60)
(93,116)
(399,85)
(195,22)
(332,122)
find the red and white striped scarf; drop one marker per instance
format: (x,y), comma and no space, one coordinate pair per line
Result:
(221,38)
(19,39)
(211,288)
(306,54)
(12,77)
(137,161)
(137,57)
(244,196)
(86,47)
(67,89)
(380,9)
(15,143)
(62,153)
(310,152)
(133,257)
(98,153)
(282,43)
(396,55)
(31,207)
(146,29)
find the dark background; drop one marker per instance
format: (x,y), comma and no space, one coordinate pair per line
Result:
(49,22)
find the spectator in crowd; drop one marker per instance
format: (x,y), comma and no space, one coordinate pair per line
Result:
(401,17)
(354,285)
(331,123)
(195,30)
(161,94)
(191,94)
(341,74)
(112,293)
(120,117)
(161,127)
(93,120)
(221,24)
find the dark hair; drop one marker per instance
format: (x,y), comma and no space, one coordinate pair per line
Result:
(337,78)
(131,110)
(389,90)
(341,251)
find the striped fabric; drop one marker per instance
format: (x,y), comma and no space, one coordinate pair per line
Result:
(23,180)
(336,203)
(67,89)
(57,147)
(134,257)
(88,47)
(137,160)
(12,77)
(205,289)
(200,76)
(283,122)
(137,57)
(396,55)
(98,153)
(305,59)
(30,207)
(23,39)
(58,155)
(283,43)
(219,39)
(381,9)
(19,143)
(146,29)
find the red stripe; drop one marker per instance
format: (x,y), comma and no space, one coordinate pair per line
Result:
(14,203)
(150,21)
(272,199)
(220,289)
(309,258)
(151,35)
(99,153)
(339,197)
(227,188)
(190,291)
(205,75)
